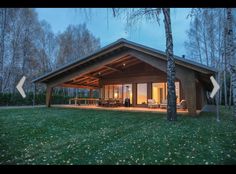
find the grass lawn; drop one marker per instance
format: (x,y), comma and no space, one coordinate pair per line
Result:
(73,136)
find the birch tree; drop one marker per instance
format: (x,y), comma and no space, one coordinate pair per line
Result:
(136,15)
(231,56)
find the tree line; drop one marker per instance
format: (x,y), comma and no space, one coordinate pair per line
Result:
(209,39)
(29,47)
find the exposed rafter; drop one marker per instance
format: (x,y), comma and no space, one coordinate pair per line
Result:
(112,68)
(78,86)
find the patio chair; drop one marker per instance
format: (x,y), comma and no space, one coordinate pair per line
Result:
(112,102)
(152,103)
(163,105)
(118,102)
(182,105)
(104,102)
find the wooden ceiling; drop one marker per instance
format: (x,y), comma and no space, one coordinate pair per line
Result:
(91,79)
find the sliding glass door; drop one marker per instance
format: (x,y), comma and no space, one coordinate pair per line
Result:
(141,93)
(159,92)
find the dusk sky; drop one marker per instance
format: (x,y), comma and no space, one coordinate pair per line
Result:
(103,25)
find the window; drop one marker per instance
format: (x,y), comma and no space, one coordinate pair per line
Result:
(106,91)
(113,91)
(142,93)
(117,91)
(159,92)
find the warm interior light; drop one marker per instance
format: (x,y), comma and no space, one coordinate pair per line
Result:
(116,95)
(123,64)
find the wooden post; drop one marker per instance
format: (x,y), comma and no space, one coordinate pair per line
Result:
(48,96)
(34,94)
(189,87)
(149,90)
(134,94)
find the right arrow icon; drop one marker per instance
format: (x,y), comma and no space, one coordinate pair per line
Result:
(216,87)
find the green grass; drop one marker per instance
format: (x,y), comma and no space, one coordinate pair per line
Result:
(72,136)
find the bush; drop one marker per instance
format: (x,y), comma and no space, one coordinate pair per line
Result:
(15,99)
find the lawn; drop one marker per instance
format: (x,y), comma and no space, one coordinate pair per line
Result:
(73,136)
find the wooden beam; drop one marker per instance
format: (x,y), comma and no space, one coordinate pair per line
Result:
(91,76)
(78,86)
(112,68)
(134,94)
(93,67)
(80,80)
(149,90)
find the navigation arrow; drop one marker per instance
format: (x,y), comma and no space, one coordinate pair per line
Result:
(216,87)
(20,85)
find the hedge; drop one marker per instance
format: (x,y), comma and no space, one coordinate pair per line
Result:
(15,99)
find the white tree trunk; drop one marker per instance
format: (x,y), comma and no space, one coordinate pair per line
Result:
(171,96)
(231,57)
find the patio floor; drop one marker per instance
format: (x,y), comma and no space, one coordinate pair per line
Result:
(130,109)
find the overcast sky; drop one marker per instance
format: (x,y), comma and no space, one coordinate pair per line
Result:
(102,24)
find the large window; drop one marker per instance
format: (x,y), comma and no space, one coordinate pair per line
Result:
(118,91)
(159,92)
(142,93)
(113,91)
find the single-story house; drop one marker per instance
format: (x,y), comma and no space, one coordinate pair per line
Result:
(127,69)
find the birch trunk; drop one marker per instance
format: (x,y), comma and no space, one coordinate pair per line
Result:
(230,55)
(225,89)
(2,48)
(230,92)
(171,96)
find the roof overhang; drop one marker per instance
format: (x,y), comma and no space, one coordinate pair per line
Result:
(119,49)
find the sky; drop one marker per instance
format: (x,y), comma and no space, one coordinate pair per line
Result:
(102,24)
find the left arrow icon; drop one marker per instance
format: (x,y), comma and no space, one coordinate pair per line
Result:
(20,85)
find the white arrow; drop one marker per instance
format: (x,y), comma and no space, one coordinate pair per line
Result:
(216,87)
(20,85)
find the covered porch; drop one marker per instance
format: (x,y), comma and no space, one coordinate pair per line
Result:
(121,108)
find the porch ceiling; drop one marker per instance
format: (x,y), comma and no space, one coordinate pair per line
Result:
(91,79)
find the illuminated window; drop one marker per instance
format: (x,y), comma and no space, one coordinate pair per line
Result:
(142,93)
(158,92)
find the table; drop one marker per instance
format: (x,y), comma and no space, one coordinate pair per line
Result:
(86,100)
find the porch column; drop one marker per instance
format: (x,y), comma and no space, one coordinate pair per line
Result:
(48,96)
(189,89)
(134,94)
(100,93)
(149,90)
(90,93)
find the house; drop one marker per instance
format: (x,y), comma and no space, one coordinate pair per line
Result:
(125,69)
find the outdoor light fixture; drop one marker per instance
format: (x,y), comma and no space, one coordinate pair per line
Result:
(123,64)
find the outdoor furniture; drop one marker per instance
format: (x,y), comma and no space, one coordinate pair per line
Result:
(110,102)
(127,102)
(86,100)
(182,105)
(163,105)
(153,104)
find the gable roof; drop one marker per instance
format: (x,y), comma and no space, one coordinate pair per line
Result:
(121,43)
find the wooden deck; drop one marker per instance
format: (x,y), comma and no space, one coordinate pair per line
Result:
(129,109)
